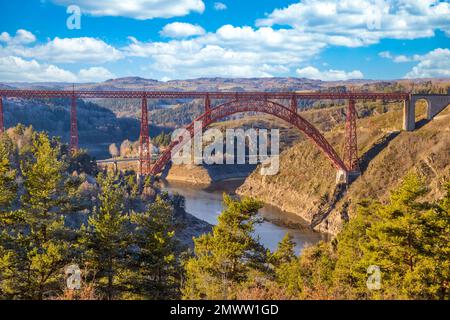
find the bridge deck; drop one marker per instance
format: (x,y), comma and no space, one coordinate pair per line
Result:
(199,94)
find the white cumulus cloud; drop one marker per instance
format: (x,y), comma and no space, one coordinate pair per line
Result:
(328,75)
(137,9)
(62,50)
(219,6)
(283,43)
(290,37)
(355,23)
(181,30)
(397,58)
(94,74)
(230,51)
(22,37)
(17,69)
(434,64)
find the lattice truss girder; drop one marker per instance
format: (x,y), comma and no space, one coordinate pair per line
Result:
(144,141)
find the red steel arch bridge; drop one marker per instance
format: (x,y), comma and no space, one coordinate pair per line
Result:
(235,102)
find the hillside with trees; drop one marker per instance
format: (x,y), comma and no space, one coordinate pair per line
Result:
(98,127)
(56,217)
(57,210)
(60,215)
(406,239)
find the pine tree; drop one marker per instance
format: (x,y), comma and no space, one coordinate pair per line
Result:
(106,238)
(287,267)
(285,252)
(8,186)
(156,274)
(406,238)
(33,243)
(396,238)
(8,189)
(224,257)
(350,274)
(316,271)
(431,276)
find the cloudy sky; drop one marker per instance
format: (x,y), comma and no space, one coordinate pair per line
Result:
(182,39)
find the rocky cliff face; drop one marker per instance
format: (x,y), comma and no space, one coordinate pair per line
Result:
(305,184)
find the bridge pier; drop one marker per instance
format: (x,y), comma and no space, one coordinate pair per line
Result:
(73,125)
(144,140)
(436,103)
(2,128)
(294,105)
(207,106)
(341,177)
(409,115)
(346,177)
(351,144)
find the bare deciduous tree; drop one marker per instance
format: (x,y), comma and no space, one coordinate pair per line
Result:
(113,150)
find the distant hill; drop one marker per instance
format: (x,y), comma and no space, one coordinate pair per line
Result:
(232,84)
(98,127)
(201,84)
(5,87)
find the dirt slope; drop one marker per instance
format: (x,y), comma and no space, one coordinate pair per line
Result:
(306,181)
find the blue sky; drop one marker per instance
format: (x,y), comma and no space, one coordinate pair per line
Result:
(181,39)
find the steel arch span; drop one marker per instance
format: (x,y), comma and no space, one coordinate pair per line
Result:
(215,114)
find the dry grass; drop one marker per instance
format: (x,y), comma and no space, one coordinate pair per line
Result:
(306,176)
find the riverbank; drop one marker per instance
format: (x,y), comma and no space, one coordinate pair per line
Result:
(208,177)
(205,175)
(190,227)
(205,203)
